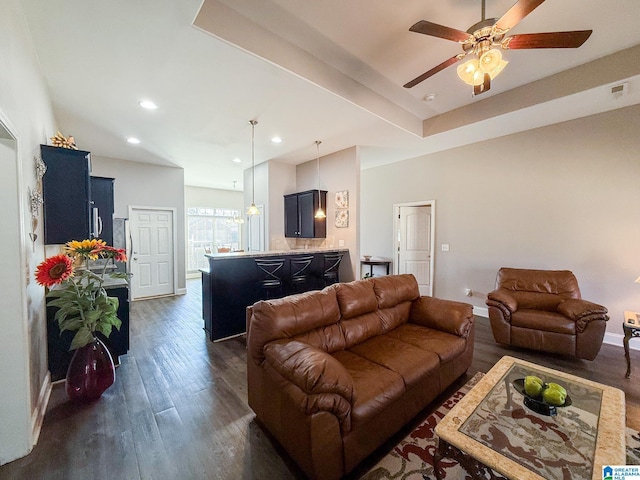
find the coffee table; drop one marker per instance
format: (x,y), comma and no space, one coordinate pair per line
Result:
(491,429)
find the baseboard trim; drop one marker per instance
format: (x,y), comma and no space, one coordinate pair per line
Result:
(41,408)
(617,338)
(181,291)
(481,311)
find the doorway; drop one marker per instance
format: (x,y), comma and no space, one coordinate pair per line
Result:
(19,423)
(153,259)
(414,237)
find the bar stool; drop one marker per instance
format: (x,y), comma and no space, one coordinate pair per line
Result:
(300,273)
(331,268)
(269,278)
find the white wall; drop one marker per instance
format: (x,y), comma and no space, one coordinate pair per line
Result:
(213,197)
(565,196)
(147,185)
(282,181)
(25,111)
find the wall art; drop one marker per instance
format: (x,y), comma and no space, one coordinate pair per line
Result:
(342,199)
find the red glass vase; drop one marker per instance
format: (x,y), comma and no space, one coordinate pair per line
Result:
(90,372)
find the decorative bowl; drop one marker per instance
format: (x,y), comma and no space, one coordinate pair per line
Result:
(366,257)
(538,405)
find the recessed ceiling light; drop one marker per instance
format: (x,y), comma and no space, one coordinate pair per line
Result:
(429,97)
(236,160)
(148,104)
(133,140)
(276,140)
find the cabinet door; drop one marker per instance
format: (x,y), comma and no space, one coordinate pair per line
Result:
(102,200)
(291,219)
(307,205)
(67,194)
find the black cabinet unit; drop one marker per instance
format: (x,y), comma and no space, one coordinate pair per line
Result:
(67,194)
(59,355)
(102,208)
(299,214)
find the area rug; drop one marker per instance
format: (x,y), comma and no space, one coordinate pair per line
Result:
(412,458)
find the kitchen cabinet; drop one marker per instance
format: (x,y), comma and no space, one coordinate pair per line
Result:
(66,191)
(58,353)
(299,211)
(102,208)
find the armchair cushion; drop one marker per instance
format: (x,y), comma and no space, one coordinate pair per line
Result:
(503,297)
(578,308)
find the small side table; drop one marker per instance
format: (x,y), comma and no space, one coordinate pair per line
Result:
(371,263)
(629,332)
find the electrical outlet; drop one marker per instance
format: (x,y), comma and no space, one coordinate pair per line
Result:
(468,292)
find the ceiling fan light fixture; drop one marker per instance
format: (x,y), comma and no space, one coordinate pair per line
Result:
(468,71)
(490,60)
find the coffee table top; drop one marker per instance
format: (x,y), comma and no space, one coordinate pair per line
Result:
(491,424)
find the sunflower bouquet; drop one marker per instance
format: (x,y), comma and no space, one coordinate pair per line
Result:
(79,293)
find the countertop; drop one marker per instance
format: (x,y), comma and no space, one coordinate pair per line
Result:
(273,253)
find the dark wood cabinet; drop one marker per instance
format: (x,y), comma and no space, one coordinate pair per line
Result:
(67,194)
(102,208)
(299,214)
(59,355)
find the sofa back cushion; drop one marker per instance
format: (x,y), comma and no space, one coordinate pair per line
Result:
(538,289)
(313,316)
(395,289)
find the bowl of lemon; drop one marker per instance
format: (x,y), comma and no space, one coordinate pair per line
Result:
(542,397)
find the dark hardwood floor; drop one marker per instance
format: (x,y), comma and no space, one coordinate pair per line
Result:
(178,408)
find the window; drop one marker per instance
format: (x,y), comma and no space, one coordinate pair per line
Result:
(207,230)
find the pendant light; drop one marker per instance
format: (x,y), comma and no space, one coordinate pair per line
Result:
(253,210)
(320,212)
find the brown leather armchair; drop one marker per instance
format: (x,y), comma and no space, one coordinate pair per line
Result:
(543,310)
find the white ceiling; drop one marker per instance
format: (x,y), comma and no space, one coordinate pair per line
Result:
(330,70)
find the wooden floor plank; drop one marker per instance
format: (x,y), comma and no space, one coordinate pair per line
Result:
(178,408)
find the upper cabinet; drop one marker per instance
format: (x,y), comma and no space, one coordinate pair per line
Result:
(299,211)
(66,190)
(77,206)
(102,208)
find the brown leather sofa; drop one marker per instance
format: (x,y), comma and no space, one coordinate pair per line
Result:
(543,310)
(334,373)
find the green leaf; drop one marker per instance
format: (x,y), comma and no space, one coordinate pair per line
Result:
(82,338)
(104,328)
(71,324)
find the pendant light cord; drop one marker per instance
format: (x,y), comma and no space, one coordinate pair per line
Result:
(318,142)
(253,180)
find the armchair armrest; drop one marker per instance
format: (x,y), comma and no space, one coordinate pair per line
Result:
(445,315)
(502,297)
(582,312)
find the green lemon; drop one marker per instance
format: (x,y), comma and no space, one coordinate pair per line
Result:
(560,388)
(533,385)
(553,396)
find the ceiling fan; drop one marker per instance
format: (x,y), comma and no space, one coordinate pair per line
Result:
(484,40)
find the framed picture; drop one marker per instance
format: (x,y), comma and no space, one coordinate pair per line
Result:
(342,218)
(342,199)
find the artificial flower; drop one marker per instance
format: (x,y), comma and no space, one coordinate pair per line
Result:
(85,248)
(78,293)
(54,270)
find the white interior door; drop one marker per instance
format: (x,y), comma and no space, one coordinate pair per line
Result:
(152,255)
(415,244)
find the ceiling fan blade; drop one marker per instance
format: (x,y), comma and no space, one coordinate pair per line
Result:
(440,31)
(432,72)
(547,40)
(516,13)
(483,87)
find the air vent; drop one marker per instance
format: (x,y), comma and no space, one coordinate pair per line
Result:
(619,90)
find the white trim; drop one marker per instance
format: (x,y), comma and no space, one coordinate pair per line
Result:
(181,291)
(432,226)
(481,311)
(616,339)
(41,408)
(174,217)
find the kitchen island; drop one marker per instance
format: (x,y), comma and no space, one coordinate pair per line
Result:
(230,285)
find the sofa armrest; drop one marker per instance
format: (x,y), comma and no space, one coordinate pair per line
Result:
(445,315)
(311,369)
(501,298)
(582,312)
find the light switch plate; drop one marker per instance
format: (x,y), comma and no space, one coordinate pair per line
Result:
(341,243)
(445,247)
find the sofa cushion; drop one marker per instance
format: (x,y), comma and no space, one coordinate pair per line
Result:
(392,290)
(355,298)
(544,321)
(445,345)
(375,386)
(412,363)
(293,316)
